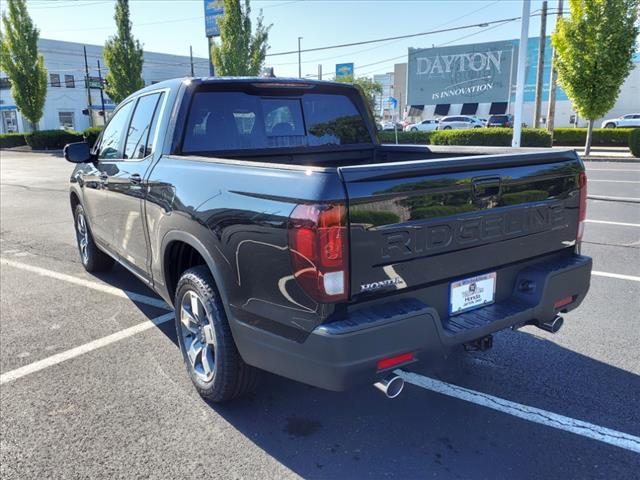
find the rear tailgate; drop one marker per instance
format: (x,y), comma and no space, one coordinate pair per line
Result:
(422,222)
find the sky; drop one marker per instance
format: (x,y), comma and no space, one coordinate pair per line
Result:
(171,26)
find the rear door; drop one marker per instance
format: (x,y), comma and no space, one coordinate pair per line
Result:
(416,223)
(128,187)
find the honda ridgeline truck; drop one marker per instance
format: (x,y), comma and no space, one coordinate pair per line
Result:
(288,239)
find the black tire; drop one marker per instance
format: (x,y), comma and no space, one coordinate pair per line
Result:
(414,129)
(93,259)
(610,125)
(446,128)
(229,377)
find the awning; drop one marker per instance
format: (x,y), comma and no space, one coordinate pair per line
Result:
(442,109)
(498,108)
(416,110)
(469,109)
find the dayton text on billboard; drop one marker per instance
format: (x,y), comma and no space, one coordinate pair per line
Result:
(477,73)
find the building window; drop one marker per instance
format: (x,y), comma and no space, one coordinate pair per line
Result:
(69,81)
(498,108)
(469,108)
(5,83)
(54,79)
(66,120)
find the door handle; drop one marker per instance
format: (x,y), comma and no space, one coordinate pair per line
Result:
(135,179)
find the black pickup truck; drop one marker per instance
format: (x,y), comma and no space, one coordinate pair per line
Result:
(290,240)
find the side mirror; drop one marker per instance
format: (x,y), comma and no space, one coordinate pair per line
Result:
(77,152)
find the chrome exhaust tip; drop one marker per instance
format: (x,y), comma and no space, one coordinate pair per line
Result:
(391,386)
(553,326)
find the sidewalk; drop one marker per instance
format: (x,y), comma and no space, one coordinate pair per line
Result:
(602,154)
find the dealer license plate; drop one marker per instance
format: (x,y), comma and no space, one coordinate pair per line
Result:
(470,293)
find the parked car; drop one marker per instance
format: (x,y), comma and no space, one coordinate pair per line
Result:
(289,240)
(505,121)
(425,126)
(625,121)
(460,122)
(390,126)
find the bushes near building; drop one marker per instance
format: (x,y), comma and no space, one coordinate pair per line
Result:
(416,138)
(605,137)
(91,134)
(634,142)
(8,140)
(52,139)
(494,137)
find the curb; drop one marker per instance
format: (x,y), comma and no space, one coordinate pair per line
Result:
(610,159)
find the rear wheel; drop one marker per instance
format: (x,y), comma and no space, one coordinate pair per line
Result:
(93,259)
(446,128)
(208,349)
(414,129)
(610,125)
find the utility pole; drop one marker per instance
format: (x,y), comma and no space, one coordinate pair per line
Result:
(319,71)
(541,47)
(191,59)
(212,69)
(88,85)
(299,59)
(551,113)
(522,61)
(104,112)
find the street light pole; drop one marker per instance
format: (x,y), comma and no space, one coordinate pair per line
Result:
(551,112)
(522,61)
(299,59)
(541,47)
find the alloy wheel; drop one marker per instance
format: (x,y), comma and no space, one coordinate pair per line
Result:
(197,336)
(83,237)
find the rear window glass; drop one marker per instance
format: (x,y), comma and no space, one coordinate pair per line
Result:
(238,121)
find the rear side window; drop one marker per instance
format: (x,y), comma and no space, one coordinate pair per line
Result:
(220,121)
(140,135)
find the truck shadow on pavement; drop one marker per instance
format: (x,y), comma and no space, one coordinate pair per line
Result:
(361,433)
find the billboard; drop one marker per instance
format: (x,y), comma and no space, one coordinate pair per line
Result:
(478,73)
(212,10)
(344,70)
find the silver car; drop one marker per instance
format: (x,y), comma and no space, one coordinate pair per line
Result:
(459,122)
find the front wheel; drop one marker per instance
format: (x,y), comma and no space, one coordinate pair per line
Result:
(414,129)
(446,128)
(208,349)
(610,125)
(93,259)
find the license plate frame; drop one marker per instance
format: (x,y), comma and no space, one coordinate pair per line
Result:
(472,293)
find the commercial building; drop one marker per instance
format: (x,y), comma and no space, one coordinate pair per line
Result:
(67,104)
(384,108)
(479,79)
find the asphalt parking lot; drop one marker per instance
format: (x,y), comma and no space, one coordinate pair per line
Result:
(93,386)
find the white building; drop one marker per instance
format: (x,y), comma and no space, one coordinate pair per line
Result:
(384,107)
(67,95)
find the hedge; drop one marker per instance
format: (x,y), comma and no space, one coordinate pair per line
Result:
(8,140)
(634,142)
(611,137)
(420,138)
(52,139)
(496,137)
(91,134)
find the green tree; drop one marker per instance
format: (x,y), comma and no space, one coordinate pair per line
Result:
(241,51)
(369,87)
(124,57)
(594,46)
(20,59)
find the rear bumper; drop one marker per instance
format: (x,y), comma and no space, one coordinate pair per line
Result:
(341,354)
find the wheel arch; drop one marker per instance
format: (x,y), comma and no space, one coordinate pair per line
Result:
(180,247)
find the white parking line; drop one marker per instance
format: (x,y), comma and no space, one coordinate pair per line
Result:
(613,199)
(136,297)
(610,170)
(606,222)
(531,414)
(82,349)
(591,180)
(615,275)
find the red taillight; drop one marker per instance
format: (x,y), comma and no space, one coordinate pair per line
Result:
(318,247)
(393,361)
(582,212)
